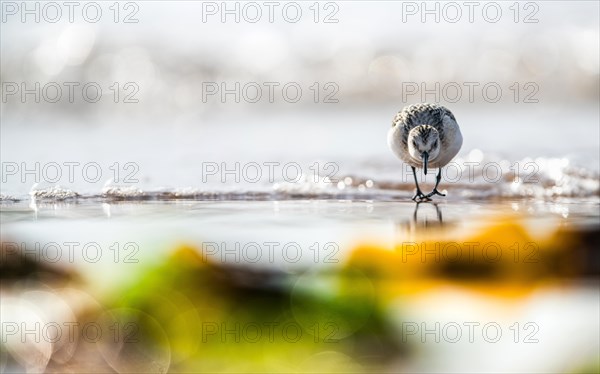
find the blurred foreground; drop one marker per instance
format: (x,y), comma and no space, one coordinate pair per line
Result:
(509,293)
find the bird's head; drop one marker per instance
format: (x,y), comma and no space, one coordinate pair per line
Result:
(424,144)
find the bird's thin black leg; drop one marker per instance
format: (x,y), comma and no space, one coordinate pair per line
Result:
(419,195)
(438,178)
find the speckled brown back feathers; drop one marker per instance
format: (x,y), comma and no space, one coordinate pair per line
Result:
(421,114)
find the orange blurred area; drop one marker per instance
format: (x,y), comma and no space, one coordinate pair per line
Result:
(503,257)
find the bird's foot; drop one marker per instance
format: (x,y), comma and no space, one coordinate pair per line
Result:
(420,196)
(434,192)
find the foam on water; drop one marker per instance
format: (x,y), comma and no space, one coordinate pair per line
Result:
(122,192)
(476,176)
(4,197)
(56,193)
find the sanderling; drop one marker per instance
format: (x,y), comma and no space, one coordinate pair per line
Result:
(425,135)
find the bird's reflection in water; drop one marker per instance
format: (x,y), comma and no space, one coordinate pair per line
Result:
(423,219)
(426,222)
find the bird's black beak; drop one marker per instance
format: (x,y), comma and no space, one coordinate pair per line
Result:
(425,157)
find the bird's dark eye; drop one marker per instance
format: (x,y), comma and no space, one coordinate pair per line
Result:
(435,143)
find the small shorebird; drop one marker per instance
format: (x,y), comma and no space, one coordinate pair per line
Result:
(425,135)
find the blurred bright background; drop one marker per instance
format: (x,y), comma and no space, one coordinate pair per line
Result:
(537,61)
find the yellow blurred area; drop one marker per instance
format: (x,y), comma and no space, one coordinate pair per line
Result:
(502,259)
